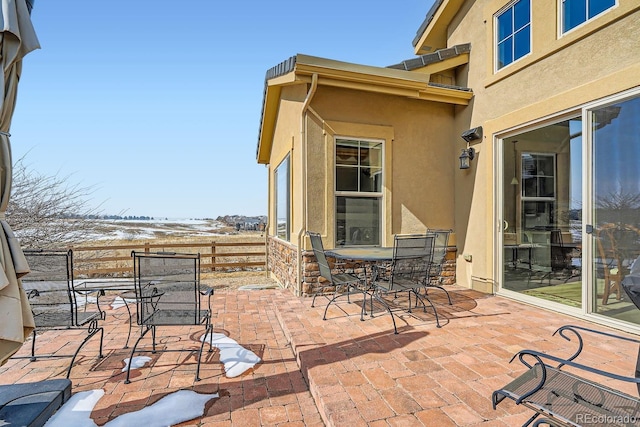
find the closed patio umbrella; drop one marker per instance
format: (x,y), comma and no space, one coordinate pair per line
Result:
(16,40)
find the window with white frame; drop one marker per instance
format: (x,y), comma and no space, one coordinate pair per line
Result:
(282,198)
(513,33)
(358,189)
(575,12)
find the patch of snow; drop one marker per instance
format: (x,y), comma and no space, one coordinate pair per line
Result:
(236,359)
(119,302)
(138,362)
(177,407)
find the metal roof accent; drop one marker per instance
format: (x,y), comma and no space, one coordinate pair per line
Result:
(427,20)
(282,68)
(431,58)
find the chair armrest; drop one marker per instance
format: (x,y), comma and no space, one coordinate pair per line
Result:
(538,356)
(562,331)
(208,293)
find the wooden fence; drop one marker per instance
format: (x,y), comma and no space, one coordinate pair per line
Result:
(116,261)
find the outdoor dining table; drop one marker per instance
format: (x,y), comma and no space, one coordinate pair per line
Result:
(369,255)
(125,289)
(362,253)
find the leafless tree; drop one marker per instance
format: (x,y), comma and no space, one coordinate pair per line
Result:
(49,211)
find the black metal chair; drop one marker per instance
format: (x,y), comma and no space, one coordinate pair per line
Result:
(342,284)
(409,269)
(434,279)
(55,301)
(168,293)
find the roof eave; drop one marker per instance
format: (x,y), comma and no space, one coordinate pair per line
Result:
(349,76)
(433,33)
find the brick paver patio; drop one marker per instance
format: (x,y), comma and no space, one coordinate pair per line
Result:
(338,372)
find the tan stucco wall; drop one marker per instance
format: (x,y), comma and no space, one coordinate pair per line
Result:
(286,140)
(598,59)
(419,162)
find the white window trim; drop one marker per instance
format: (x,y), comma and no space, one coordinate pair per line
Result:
(509,5)
(562,33)
(379,195)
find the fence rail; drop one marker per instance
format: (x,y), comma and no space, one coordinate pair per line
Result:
(115,260)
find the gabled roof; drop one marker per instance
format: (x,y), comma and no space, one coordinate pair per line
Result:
(395,80)
(432,33)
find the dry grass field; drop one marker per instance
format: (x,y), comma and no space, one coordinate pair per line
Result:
(172,238)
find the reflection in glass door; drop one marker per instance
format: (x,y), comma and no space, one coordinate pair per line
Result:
(542,212)
(615,134)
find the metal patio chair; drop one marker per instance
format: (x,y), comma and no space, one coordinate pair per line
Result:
(168,293)
(55,301)
(409,269)
(343,284)
(434,279)
(617,248)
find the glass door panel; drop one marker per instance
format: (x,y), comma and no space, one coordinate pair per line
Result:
(615,133)
(542,212)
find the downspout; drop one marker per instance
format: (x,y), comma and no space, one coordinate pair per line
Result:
(303,149)
(266,225)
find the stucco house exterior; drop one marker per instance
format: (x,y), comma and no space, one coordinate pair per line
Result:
(542,96)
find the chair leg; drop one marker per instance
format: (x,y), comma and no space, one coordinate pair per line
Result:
(33,346)
(133,350)
(91,332)
(417,294)
(381,301)
(208,331)
(426,289)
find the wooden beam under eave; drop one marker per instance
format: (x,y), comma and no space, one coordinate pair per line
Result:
(451,97)
(444,65)
(427,93)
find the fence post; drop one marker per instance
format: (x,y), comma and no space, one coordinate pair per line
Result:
(213,256)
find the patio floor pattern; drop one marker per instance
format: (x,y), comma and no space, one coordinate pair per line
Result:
(335,372)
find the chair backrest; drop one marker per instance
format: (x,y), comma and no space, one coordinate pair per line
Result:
(50,287)
(167,287)
(617,246)
(559,259)
(441,244)
(412,258)
(318,251)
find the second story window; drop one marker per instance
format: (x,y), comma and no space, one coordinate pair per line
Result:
(575,12)
(513,33)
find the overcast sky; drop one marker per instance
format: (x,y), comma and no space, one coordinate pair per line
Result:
(156,104)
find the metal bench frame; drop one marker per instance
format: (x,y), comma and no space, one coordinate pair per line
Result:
(565,398)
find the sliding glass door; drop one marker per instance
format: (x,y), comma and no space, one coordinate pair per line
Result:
(615,210)
(542,212)
(570,209)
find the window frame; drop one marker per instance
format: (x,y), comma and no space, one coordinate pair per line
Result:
(561,15)
(496,31)
(285,162)
(379,195)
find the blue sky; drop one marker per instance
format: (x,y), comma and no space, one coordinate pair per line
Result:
(156,104)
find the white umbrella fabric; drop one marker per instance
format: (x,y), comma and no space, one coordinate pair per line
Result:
(17,39)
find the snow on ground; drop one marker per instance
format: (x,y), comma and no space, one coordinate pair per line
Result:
(138,362)
(148,229)
(236,359)
(177,407)
(182,405)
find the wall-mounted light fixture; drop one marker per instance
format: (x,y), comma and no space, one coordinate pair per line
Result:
(469,153)
(465,158)
(472,134)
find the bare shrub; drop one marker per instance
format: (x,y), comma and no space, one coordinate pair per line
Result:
(49,211)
